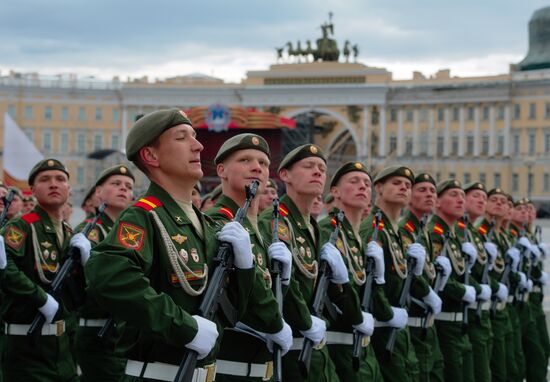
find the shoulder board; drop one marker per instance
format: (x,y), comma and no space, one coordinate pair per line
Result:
(461,224)
(483,229)
(31,217)
(514,232)
(283,210)
(409,226)
(148,203)
(227,212)
(438,229)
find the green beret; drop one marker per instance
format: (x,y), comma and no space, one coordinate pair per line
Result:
(520,202)
(497,191)
(119,169)
(529,201)
(241,142)
(394,171)
(271,183)
(301,152)
(150,126)
(424,177)
(198,186)
(448,184)
(88,195)
(16,191)
(510,198)
(216,192)
(474,186)
(348,167)
(46,165)
(329,198)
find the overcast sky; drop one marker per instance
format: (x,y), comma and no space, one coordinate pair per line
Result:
(164,38)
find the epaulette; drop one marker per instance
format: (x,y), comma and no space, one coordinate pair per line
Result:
(148,203)
(380,224)
(227,212)
(438,229)
(283,210)
(483,229)
(31,217)
(460,223)
(409,226)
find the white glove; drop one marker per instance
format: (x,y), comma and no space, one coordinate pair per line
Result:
(283,338)
(535,251)
(471,254)
(524,242)
(529,286)
(235,234)
(400,318)
(544,249)
(278,251)
(513,254)
(543,280)
(83,244)
(469,295)
(3,260)
(502,292)
(317,331)
(445,265)
(417,252)
(333,257)
(492,252)
(522,281)
(205,339)
(433,301)
(367,326)
(485,293)
(49,309)
(376,252)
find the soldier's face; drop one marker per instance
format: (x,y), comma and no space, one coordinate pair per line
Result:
(16,206)
(497,205)
(117,191)
(3,193)
(306,177)
(316,206)
(51,188)
(532,212)
(242,167)
(395,190)
(267,197)
(451,203)
(520,214)
(476,202)
(353,189)
(423,197)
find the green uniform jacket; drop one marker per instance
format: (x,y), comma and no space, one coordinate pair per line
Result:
(132,274)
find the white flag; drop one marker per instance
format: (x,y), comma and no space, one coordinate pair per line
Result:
(20,154)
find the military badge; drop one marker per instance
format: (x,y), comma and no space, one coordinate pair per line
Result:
(46,244)
(354,249)
(195,255)
(308,253)
(53,255)
(184,256)
(260,259)
(313,149)
(180,239)
(300,240)
(283,231)
(130,236)
(46,254)
(94,235)
(340,245)
(15,237)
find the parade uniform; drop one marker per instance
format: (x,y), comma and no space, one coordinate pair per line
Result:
(340,334)
(424,340)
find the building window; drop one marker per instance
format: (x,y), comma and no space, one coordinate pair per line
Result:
(116,115)
(30,134)
(80,174)
(423,141)
(454,146)
(115,141)
(28,112)
(547,110)
(65,113)
(470,144)
(485,145)
(547,143)
(500,114)
(530,181)
(423,115)
(81,142)
(393,144)
(455,113)
(485,113)
(64,144)
(532,143)
(517,111)
(500,144)
(515,182)
(408,146)
(532,111)
(515,144)
(482,177)
(12,111)
(452,175)
(546,182)
(440,145)
(409,116)
(440,115)
(471,113)
(47,141)
(497,180)
(437,176)
(467,177)
(98,141)
(81,113)
(98,114)
(48,113)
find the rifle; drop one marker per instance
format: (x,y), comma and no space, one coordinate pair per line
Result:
(319,300)
(277,291)
(7,202)
(485,274)
(64,272)
(215,291)
(403,297)
(359,338)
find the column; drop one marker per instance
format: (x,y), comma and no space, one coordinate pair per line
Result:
(507,129)
(382,138)
(364,153)
(447,135)
(492,133)
(461,132)
(124,130)
(416,131)
(477,136)
(432,143)
(400,134)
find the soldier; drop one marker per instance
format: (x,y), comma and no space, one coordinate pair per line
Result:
(303,170)
(37,244)
(29,202)
(240,160)
(423,334)
(393,193)
(352,190)
(268,195)
(16,206)
(453,339)
(196,195)
(96,356)
(152,270)
(90,203)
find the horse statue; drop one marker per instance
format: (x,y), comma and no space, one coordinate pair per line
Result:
(346,50)
(355,52)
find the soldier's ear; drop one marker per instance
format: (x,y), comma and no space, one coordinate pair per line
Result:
(378,188)
(148,156)
(220,170)
(283,174)
(335,192)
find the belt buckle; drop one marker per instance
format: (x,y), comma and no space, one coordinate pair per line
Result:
(430,321)
(268,371)
(321,344)
(210,372)
(59,327)
(365,342)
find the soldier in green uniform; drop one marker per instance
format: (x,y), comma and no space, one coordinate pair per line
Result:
(352,189)
(453,340)
(96,356)
(303,170)
(268,195)
(153,269)
(393,191)
(90,203)
(241,160)
(36,245)
(424,334)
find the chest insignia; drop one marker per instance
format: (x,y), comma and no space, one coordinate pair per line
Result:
(53,255)
(354,249)
(178,219)
(283,231)
(300,240)
(14,237)
(93,235)
(184,255)
(130,236)
(46,244)
(195,255)
(180,239)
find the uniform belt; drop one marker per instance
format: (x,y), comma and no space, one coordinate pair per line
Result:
(167,372)
(501,305)
(418,322)
(485,305)
(92,322)
(55,329)
(510,299)
(244,369)
(298,342)
(449,316)
(537,289)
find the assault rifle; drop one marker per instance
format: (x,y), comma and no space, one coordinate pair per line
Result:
(7,202)
(277,291)
(485,274)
